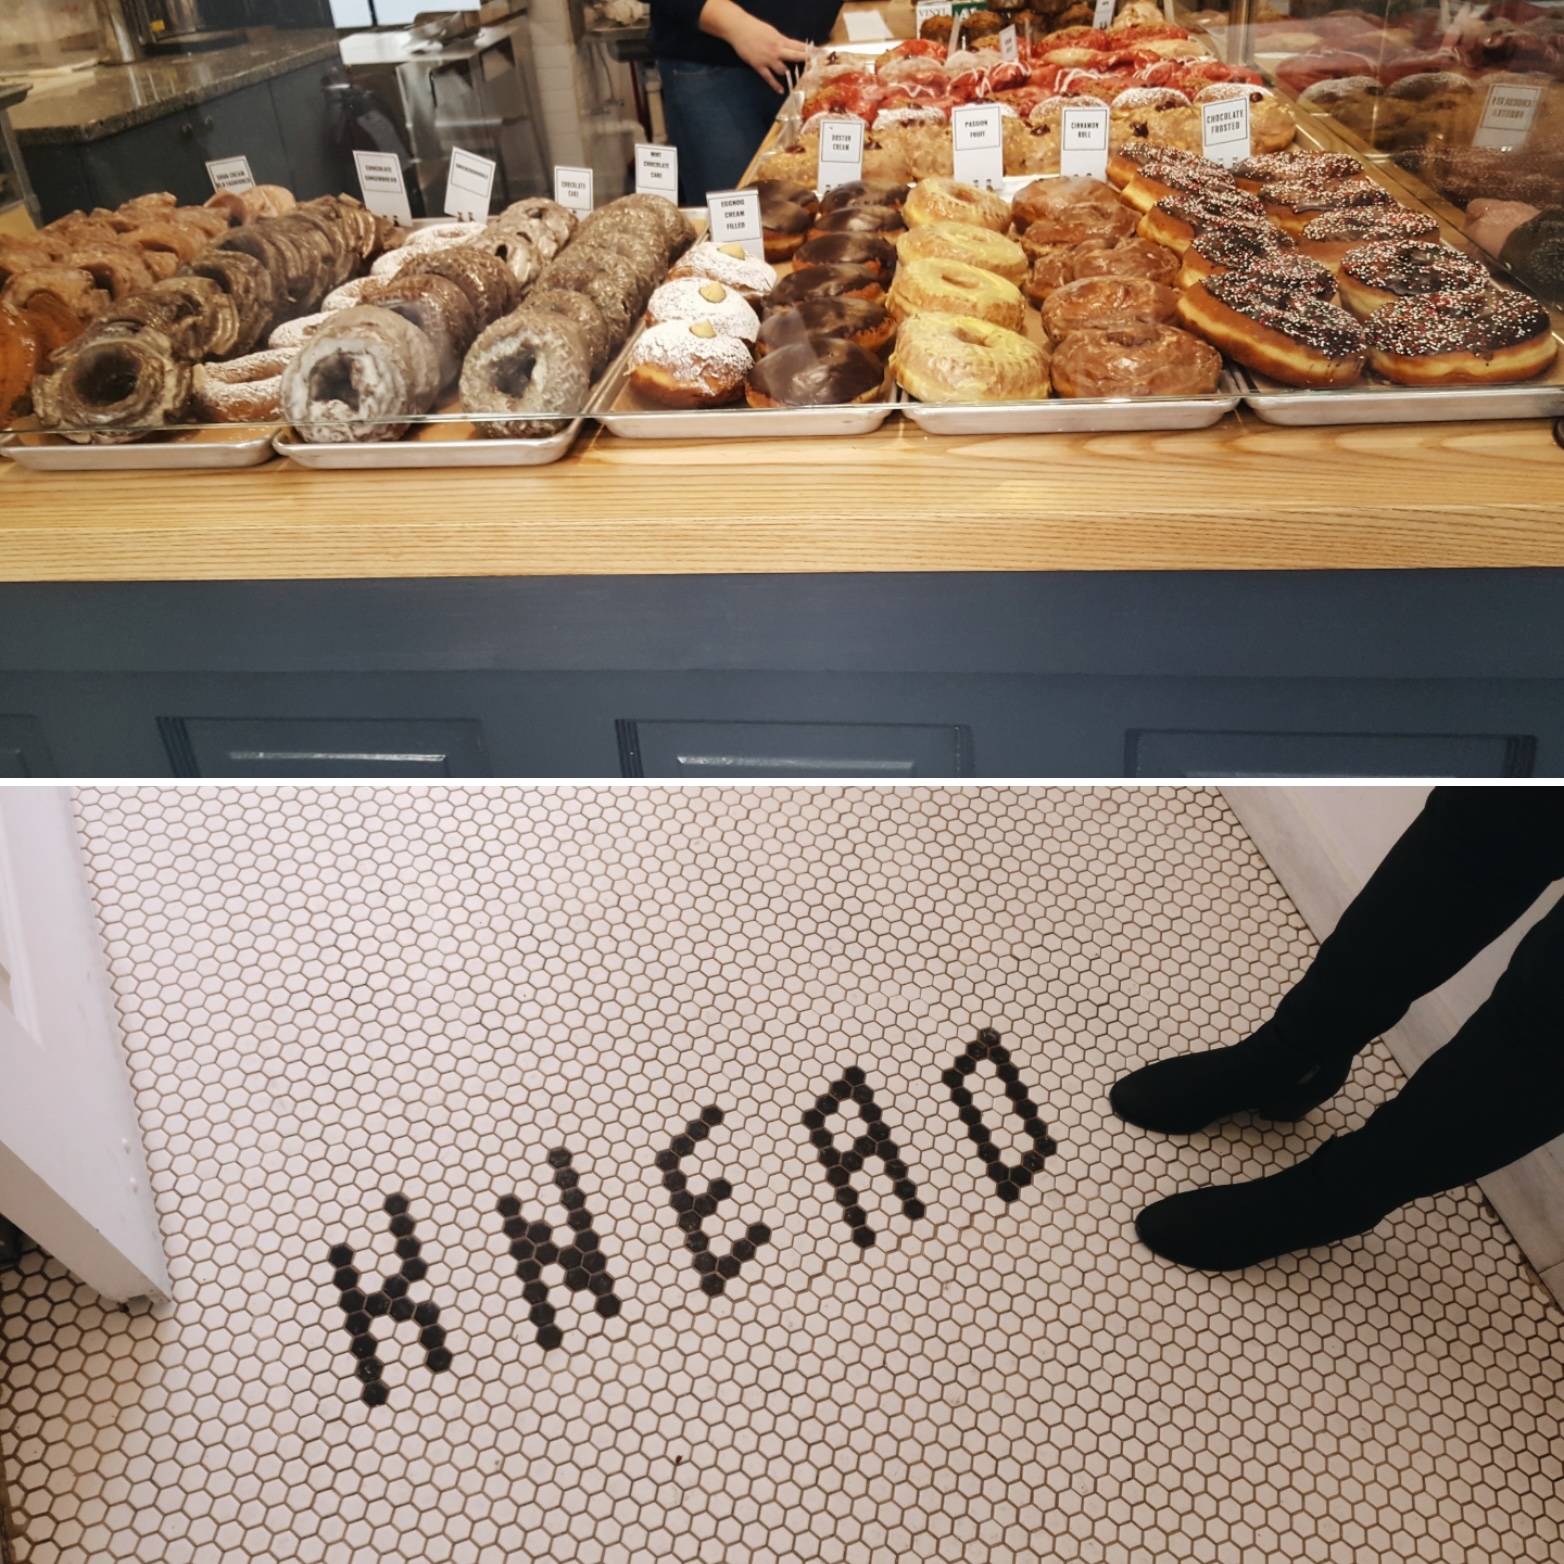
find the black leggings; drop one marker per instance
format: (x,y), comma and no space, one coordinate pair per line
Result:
(1471,863)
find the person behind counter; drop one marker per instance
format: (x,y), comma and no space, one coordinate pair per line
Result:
(724,70)
(1527,240)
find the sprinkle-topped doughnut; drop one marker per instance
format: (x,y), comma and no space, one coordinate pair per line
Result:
(1231,247)
(1332,234)
(1176,219)
(1318,325)
(1288,276)
(1288,167)
(1375,275)
(1461,338)
(1293,206)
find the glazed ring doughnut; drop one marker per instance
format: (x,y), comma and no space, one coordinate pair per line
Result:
(244,390)
(695,298)
(1140,360)
(1375,275)
(438,308)
(116,268)
(959,358)
(1132,257)
(980,247)
(1088,203)
(953,288)
(588,318)
(113,390)
(1301,342)
(686,363)
(249,283)
(559,220)
(19,358)
(359,378)
(532,362)
(1461,339)
(860,321)
(193,313)
(1106,304)
(948,200)
(443,236)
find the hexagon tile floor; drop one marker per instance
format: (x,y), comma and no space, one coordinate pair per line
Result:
(605,1176)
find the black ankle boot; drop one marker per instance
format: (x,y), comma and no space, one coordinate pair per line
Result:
(1229,1226)
(1261,1075)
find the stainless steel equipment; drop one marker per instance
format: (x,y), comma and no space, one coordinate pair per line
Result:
(174,25)
(476,92)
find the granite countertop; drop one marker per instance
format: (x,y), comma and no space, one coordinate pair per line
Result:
(112,98)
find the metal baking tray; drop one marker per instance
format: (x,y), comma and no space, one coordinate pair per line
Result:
(449,441)
(1076,415)
(1379,402)
(214,448)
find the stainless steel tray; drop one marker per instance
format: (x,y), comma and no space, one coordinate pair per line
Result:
(1383,403)
(730,423)
(1076,415)
(204,450)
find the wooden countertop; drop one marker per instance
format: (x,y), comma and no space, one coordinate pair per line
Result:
(1241,496)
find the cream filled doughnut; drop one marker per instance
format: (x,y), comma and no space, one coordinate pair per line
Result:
(702,298)
(731,265)
(688,363)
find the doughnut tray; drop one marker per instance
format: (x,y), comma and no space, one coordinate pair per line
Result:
(1379,402)
(206,450)
(1076,415)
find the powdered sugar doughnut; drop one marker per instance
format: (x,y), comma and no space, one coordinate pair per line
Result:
(242,390)
(440,236)
(295,333)
(345,297)
(731,265)
(393,261)
(703,298)
(687,363)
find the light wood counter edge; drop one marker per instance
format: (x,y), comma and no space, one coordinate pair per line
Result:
(1241,496)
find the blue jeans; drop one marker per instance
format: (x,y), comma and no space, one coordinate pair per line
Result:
(717,116)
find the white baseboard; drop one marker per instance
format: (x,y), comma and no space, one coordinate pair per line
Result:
(1322,843)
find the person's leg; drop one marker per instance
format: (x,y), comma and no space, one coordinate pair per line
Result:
(717,116)
(1493,1093)
(1470,864)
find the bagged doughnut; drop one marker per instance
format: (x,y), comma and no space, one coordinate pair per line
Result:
(360,377)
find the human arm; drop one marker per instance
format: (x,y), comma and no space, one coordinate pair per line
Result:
(758,44)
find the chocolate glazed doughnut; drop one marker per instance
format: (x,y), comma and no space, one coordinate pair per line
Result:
(871,251)
(1461,339)
(863,192)
(864,324)
(1375,275)
(113,390)
(786,212)
(818,372)
(1301,341)
(822,282)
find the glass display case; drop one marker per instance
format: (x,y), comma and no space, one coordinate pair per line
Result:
(18,206)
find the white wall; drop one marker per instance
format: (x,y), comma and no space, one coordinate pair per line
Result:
(1323,843)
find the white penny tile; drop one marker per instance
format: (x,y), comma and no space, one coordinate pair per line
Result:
(486,1132)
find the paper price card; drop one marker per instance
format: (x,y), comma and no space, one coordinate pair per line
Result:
(231,173)
(573,189)
(841,152)
(468,185)
(978,145)
(1009,48)
(1102,14)
(380,179)
(657,171)
(733,217)
(1083,148)
(1507,116)
(1224,130)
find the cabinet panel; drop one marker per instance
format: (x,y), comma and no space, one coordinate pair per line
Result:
(1171,753)
(23,752)
(323,747)
(802,749)
(318,158)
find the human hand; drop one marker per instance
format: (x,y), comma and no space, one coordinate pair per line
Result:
(1489,223)
(758,44)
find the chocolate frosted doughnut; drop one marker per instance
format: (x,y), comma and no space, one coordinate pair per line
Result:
(516,250)
(1485,338)
(486,280)
(858,220)
(1106,304)
(641,252)
(863,192)
(1232,247)
(438,308)
(360,377)
(859,321)
(818,372)
(1284,167)
(113,390)
(1139,360)
(588,319)
(559,220)
(607,279)
(532,362)
(1377,274)
(822,282)
(1299,340)
(871,251)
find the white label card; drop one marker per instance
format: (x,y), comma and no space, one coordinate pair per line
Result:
(468,186)
(1009,48)
(657,171)
(841,152)
(1083,146)
(927,8)
(573,189)
(1102,14)
(978,144)
(385,192)
(231,173)
(1507,116)
(1224,130)
(733,217)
